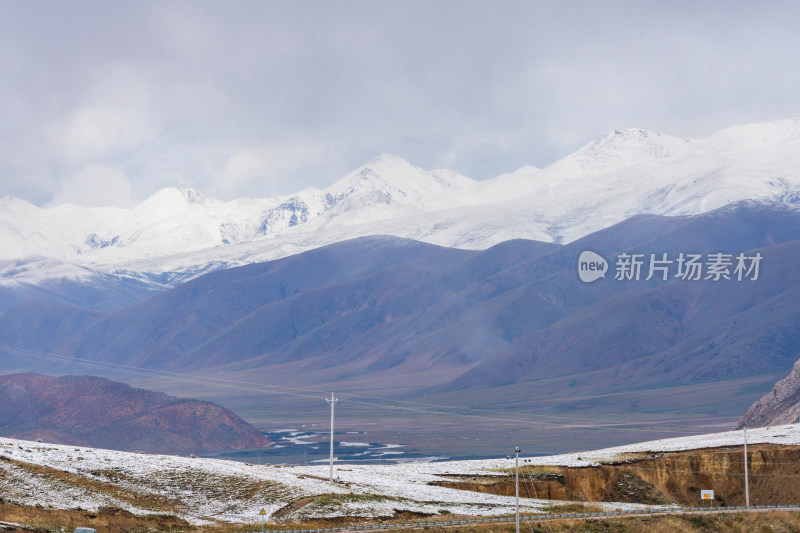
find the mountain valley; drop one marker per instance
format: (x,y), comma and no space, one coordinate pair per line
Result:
(511,330)
(430,302)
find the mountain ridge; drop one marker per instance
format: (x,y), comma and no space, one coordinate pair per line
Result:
(180,233)
(512,327)
(369,286)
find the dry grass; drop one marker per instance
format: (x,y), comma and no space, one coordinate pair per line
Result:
(99,486)
(164,494)
(774,522)
(118,521)
(573,508)
(109,520)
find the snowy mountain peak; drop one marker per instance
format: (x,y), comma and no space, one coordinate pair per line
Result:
(756,136)
(384,170)
(629,147)
(386,162)
(396,172)
(173,201)
(13,204)
(193,196)
(618,175)
(389,179)
(180,195)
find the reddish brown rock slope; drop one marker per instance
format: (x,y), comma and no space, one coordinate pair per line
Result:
(106,414)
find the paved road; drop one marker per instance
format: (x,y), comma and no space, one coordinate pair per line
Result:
(546,517)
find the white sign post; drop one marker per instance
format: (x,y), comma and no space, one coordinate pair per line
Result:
(707,495)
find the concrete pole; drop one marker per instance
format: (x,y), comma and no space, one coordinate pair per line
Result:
(746,484)
(516,482)
(332,402)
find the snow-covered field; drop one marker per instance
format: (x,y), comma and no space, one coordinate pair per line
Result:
(209,490)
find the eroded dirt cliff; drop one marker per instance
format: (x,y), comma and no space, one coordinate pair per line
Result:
(774,474)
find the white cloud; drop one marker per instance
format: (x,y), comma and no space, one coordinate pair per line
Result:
(238,101)
(99,130)
(115,112)
(271,165)
(95,186)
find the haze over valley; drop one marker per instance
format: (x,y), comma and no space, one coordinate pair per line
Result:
(430,302)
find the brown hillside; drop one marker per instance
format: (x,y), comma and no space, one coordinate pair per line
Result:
(660,478)
(106,414)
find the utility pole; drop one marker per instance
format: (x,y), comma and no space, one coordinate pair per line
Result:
(516,481)
(746,484)
(331,402)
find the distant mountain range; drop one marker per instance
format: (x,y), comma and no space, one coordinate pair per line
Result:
(178,234)
(91,411)
(514,323)
(402,283)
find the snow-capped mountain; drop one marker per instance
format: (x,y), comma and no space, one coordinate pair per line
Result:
(180,220)
(179,233)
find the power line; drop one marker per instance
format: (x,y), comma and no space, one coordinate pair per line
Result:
(536,496)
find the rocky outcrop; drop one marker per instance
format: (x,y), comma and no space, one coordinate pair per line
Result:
(657,478)
(780,406)
(92,411)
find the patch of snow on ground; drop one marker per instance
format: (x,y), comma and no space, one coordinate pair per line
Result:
(207,490)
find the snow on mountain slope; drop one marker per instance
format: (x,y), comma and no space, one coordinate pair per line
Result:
(53,280)
(183,220)
(390,180)
(180,232)
(620,149)
(248,488)
(33,269)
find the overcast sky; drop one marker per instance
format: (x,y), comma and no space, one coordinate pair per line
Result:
(104,103)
